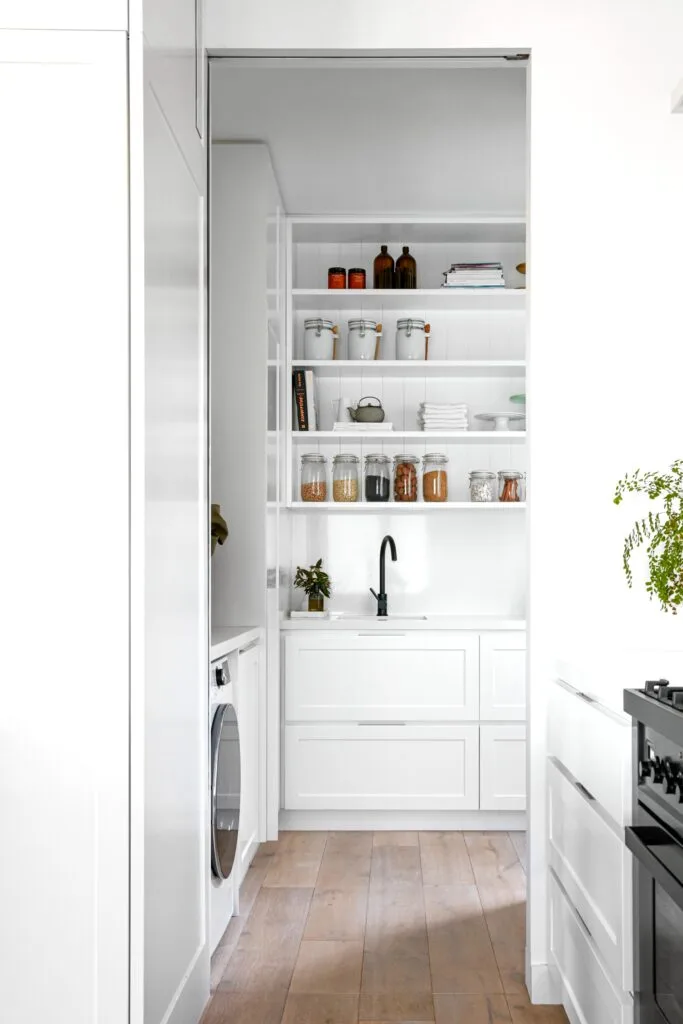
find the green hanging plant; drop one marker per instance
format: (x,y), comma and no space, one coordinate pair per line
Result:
(660,533)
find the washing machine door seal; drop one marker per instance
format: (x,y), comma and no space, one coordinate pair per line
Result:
(225,790)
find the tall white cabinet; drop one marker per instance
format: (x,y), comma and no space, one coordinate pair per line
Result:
(103,757)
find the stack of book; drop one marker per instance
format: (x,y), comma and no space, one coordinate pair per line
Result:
(474,275)
(303,384)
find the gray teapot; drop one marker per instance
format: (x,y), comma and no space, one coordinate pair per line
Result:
(367,413)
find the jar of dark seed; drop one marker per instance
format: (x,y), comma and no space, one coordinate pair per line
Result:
(405,477)
(377,477)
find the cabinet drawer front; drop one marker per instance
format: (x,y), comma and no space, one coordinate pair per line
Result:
(588,994)
(502,693)
(351,677)
(594,746)
(381,767)
(502,767)
(594,867)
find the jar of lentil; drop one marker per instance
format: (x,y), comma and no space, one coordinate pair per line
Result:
(345,485)
(482,486)
(435,477)
(405,477)
(377,478)
(313,477)
(511,485)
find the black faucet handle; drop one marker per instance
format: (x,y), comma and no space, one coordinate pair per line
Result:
(374,594)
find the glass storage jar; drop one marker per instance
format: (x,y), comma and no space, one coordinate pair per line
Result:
(345,485)
(482,485)
(511,485)
(313,477)
(435,477)
(411,337)
(377,478)
(319,337)
(362,339)
(405,477)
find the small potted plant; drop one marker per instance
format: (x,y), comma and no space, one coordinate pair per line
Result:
(315,583)
(660,533)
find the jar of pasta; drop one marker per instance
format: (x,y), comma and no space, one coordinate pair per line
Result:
(345,483)
(435,477)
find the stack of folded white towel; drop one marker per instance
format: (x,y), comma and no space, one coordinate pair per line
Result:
(432,416)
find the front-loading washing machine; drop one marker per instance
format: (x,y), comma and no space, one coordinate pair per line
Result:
(225,794)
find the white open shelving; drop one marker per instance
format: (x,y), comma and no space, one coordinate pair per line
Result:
(477,345)
(452,436)
(413,368)
(423,299)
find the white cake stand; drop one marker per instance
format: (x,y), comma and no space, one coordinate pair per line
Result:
(500,420)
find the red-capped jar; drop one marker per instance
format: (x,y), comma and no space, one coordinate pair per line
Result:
(336,277)
(356,277)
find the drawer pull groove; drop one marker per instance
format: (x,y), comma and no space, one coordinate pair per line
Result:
(584,792)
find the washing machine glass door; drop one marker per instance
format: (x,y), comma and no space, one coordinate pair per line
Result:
(225,789)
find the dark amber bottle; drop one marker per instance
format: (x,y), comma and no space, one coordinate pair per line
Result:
(406,270)
(384,269)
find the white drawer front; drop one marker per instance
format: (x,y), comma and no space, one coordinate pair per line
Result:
(381,767)
(595,747)
(594,866)
(588,995)
(502,767)
(349,677)
(502,689)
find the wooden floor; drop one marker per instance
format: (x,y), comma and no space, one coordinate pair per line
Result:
(349,927)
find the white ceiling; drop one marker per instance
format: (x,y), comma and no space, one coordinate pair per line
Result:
(378,140)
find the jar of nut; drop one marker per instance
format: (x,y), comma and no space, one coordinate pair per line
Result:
(345,484)
(435,477)
(313,477)
(405,477)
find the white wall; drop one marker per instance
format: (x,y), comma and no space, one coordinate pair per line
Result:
(605,349)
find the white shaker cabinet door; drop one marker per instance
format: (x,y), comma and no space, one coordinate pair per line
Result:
(502,684)
(502,767)
(366,676)
(248,684)
(381,767)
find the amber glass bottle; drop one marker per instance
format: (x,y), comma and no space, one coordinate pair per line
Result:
(384,269)
(406,270)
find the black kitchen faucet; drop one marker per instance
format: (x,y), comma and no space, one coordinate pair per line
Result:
(382,600)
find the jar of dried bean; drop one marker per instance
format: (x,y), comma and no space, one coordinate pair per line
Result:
(377,477)
(313,477)
(482,485)
(435,477)
(511,485)
(405,477)
(345,484)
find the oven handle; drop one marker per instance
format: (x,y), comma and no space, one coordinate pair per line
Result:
(636,841)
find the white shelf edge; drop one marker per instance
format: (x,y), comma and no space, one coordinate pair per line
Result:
(398,506)
(391,293)
(462,437)
(414,367)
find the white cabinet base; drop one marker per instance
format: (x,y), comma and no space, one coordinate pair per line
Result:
(402,821)
(502,774)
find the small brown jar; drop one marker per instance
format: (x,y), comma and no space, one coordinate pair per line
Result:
(383,269)
(356,277)
(405,477)
(406,270)
(336,277)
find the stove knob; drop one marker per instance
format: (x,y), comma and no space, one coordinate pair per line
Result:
(658,771)
(646,769)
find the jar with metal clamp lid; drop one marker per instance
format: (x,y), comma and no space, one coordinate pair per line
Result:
(319,338)
(345,484)
(411,339)
(313,477)
(435,477)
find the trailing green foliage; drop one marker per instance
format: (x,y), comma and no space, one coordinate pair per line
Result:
(661,533)
(314,581)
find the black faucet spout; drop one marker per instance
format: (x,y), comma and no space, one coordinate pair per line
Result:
(382,598)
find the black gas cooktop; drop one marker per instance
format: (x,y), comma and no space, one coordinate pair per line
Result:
(665,693)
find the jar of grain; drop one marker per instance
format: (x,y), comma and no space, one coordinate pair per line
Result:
(313,477)
(405,477)
(345,485)
(482,485)
(435,477)
(511,485)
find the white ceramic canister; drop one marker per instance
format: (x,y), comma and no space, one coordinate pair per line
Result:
(362,339)
(410,339)
(319,339)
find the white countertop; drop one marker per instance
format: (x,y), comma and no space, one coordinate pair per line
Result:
(604,674)
(228,638)
(473,623)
